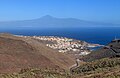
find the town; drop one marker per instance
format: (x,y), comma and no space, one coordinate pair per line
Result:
(65,45)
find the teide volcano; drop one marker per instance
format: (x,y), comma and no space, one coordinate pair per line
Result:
(51,22)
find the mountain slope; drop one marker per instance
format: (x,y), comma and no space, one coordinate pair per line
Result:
(30,58)
(103,68)
(19,53)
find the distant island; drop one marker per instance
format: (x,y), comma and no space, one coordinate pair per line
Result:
(52,22)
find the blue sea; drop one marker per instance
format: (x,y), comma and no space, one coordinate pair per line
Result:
(98,35)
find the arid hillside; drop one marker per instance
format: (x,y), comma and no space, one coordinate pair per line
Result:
(30,58)
(18,53)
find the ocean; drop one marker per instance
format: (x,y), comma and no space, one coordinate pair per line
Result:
(98,35)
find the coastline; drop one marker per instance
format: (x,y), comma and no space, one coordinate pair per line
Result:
(64,44)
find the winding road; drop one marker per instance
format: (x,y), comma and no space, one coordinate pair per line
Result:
(112,49)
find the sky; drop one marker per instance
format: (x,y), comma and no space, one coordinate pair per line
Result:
(91,10)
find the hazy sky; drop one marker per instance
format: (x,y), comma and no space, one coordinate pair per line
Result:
(93,10)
